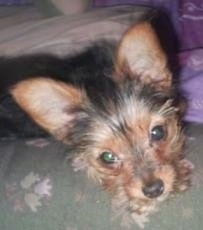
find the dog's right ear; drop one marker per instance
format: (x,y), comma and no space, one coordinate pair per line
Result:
(51,104)
(140,56)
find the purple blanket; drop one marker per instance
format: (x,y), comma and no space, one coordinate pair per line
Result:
(191,78)
(187,17)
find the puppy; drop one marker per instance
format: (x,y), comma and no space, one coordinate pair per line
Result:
(115,107)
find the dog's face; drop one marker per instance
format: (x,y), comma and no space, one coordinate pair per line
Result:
(128,137)
(135,148)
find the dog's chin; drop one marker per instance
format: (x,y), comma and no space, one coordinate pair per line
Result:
(135,210)
(132,203)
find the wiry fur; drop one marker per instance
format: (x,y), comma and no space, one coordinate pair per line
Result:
(125,131)
(106,99)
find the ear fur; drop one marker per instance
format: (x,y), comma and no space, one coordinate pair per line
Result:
(47,102)
(140,56)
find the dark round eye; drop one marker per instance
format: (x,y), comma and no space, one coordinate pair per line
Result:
(108,157)
(157,133)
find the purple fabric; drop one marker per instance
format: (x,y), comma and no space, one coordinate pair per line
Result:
(191,83)
(191,21)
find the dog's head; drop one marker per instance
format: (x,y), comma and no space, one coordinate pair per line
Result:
(128,137)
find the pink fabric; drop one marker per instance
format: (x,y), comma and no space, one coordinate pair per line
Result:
(171,7)
(186,15)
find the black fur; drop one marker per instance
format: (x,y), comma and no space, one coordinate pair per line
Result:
(87,70)
(91,70)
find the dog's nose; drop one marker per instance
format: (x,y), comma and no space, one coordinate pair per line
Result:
(153,189)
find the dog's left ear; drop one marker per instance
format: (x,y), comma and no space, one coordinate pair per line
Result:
(53,105)
(140,56)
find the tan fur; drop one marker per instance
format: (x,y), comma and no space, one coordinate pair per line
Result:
(140,159)
(141,55)
(46,102)
(121,180)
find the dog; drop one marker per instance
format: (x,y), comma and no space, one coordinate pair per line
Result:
(114,105)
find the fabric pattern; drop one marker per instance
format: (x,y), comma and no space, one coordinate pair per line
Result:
(191,22)
(191,82)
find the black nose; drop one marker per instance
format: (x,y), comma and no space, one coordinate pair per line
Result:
(153,189)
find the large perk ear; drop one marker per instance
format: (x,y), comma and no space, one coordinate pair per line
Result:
(49,103)
(140,56)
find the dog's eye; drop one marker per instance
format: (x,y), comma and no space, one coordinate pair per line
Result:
(157,133)
(108,158)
